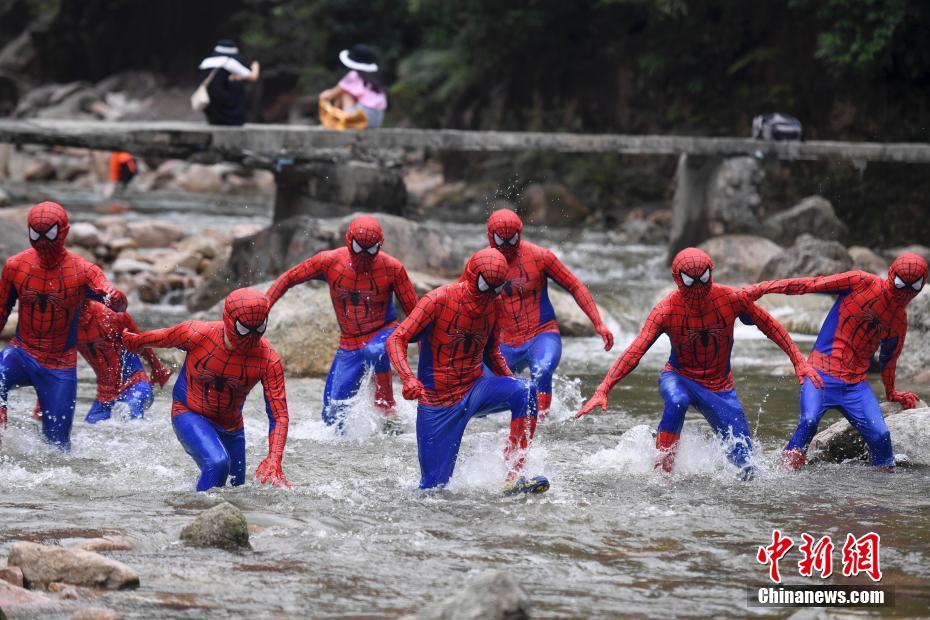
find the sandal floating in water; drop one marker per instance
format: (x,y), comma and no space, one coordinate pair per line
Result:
(537,484)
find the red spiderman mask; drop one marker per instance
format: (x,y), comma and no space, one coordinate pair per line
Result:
(485,277)
(48,228)
(692,269)
(906,277)
(245,317)
(364,239)
(504,231)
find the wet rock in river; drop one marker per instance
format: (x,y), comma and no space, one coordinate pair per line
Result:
(799,314)
(109,543)
(809,256)
(494,595)
(221,527)
(154,233)
(95,613)
(910,434)
(42,565)
(915,356)
(867,260)
(22,602)
(814,215)
(85,234)
(12,575)
(739,259)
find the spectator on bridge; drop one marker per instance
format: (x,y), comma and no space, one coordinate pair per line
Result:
(359,90)
(224,72)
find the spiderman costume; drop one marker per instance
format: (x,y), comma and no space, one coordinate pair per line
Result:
(50,284)
(529,332)
(362,281)
(122,382)
(224,362)
(869,314)
(456,325)
(698,319)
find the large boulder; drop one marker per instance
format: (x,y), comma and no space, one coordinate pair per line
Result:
(739,259)
(303,328)
(42,565)
(493,595)
(809,256)
(915,356)
(910,435)
(221,527)
(799,314)
(814,215)
(867,260)
(733,200)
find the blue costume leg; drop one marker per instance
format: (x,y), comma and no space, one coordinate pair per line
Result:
(12,372)
(57,393)
(862,410)
(545,352)
(814,403)
(138,397)
(98,412)
(674,391)
(234,442)
(440,429)
(724,413)
(201,440)
(345,375)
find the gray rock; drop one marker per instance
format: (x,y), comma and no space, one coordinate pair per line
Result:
(42,565)
(808,256)
(5,199)
(799,314)
(13,239)
(739,259)
(494,595)
(95,613)
(733,200)
(910,434)
(222,527)
(867,260)
(920,250)
(915,356)
(22,603)
(814,215)
(85,234)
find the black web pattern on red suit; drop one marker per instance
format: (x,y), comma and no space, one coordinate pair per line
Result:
(49,300)
(701,336)
(219,379)
(459,323)
(360,294)
(869,313)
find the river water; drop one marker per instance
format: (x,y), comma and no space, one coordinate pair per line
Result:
(355,538)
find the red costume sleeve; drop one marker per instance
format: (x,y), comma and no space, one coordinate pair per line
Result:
(177,337)
(556,270)
(403,287)
(493,356)
(630,358)
(311,268)
(99,286)
(775,332)
(816,284)
(147,353)
(7,295)
(276,401)
(411,327)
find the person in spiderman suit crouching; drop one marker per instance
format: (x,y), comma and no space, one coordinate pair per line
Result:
(699,318)
(363,281)
(50,284)
(225,359)
(457,329)
(122,383)
(529,331)
(869,314)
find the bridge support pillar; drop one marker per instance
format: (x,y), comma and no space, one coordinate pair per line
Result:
(690,205)
(337,189)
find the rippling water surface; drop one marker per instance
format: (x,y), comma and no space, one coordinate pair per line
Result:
(355,537)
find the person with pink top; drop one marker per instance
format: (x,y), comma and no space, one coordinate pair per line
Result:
(358,89)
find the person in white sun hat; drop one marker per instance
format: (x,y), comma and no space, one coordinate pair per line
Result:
(359,88)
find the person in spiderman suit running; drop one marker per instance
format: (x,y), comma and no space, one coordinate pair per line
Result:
(699,318)
(869,314)
(457,329)
(122,382)
(529,331)
(225,359)
(363,281)
(50,284)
